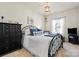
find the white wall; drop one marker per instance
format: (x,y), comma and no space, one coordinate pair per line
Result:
(71,20)
(17,12)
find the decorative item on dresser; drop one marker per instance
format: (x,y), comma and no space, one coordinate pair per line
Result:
(10,37)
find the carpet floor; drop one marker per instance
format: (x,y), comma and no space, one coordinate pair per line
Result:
(24,53)
(61,52)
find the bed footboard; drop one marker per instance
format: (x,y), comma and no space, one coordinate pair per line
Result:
(55,43)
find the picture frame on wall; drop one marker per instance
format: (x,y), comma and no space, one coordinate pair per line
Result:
(30,20)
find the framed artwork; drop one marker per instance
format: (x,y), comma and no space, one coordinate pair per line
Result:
(30,21)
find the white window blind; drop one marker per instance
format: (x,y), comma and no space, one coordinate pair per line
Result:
(57,25)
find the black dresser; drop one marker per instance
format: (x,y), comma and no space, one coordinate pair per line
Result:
(10,37)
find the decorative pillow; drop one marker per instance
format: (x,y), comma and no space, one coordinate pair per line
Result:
(39,30)
(39,33)
(33,31)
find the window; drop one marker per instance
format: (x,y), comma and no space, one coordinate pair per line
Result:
(57,25)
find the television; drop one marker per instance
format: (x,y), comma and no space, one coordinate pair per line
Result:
(72,30)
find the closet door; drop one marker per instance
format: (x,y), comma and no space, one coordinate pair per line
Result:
(18,36)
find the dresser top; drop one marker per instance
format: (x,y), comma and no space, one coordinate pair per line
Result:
(10,23)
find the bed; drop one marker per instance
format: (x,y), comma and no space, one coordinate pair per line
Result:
(42,45)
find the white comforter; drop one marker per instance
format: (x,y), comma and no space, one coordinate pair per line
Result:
(37,45)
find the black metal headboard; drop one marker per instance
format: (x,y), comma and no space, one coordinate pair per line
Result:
(27,27)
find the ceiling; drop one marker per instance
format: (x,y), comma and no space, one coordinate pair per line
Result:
(38,6)
(54,6)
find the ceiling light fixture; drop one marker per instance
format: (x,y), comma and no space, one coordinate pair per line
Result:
(46,7)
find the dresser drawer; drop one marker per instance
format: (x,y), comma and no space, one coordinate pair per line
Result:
(6,26)
(7,42)
(2,50)
(7,30)
(17,30)
(18,26)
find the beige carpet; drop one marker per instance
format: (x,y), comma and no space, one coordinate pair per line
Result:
(61,53)
(19,53)
(24,53)
(71,50)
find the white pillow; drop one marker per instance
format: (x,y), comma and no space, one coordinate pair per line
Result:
(37,33)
